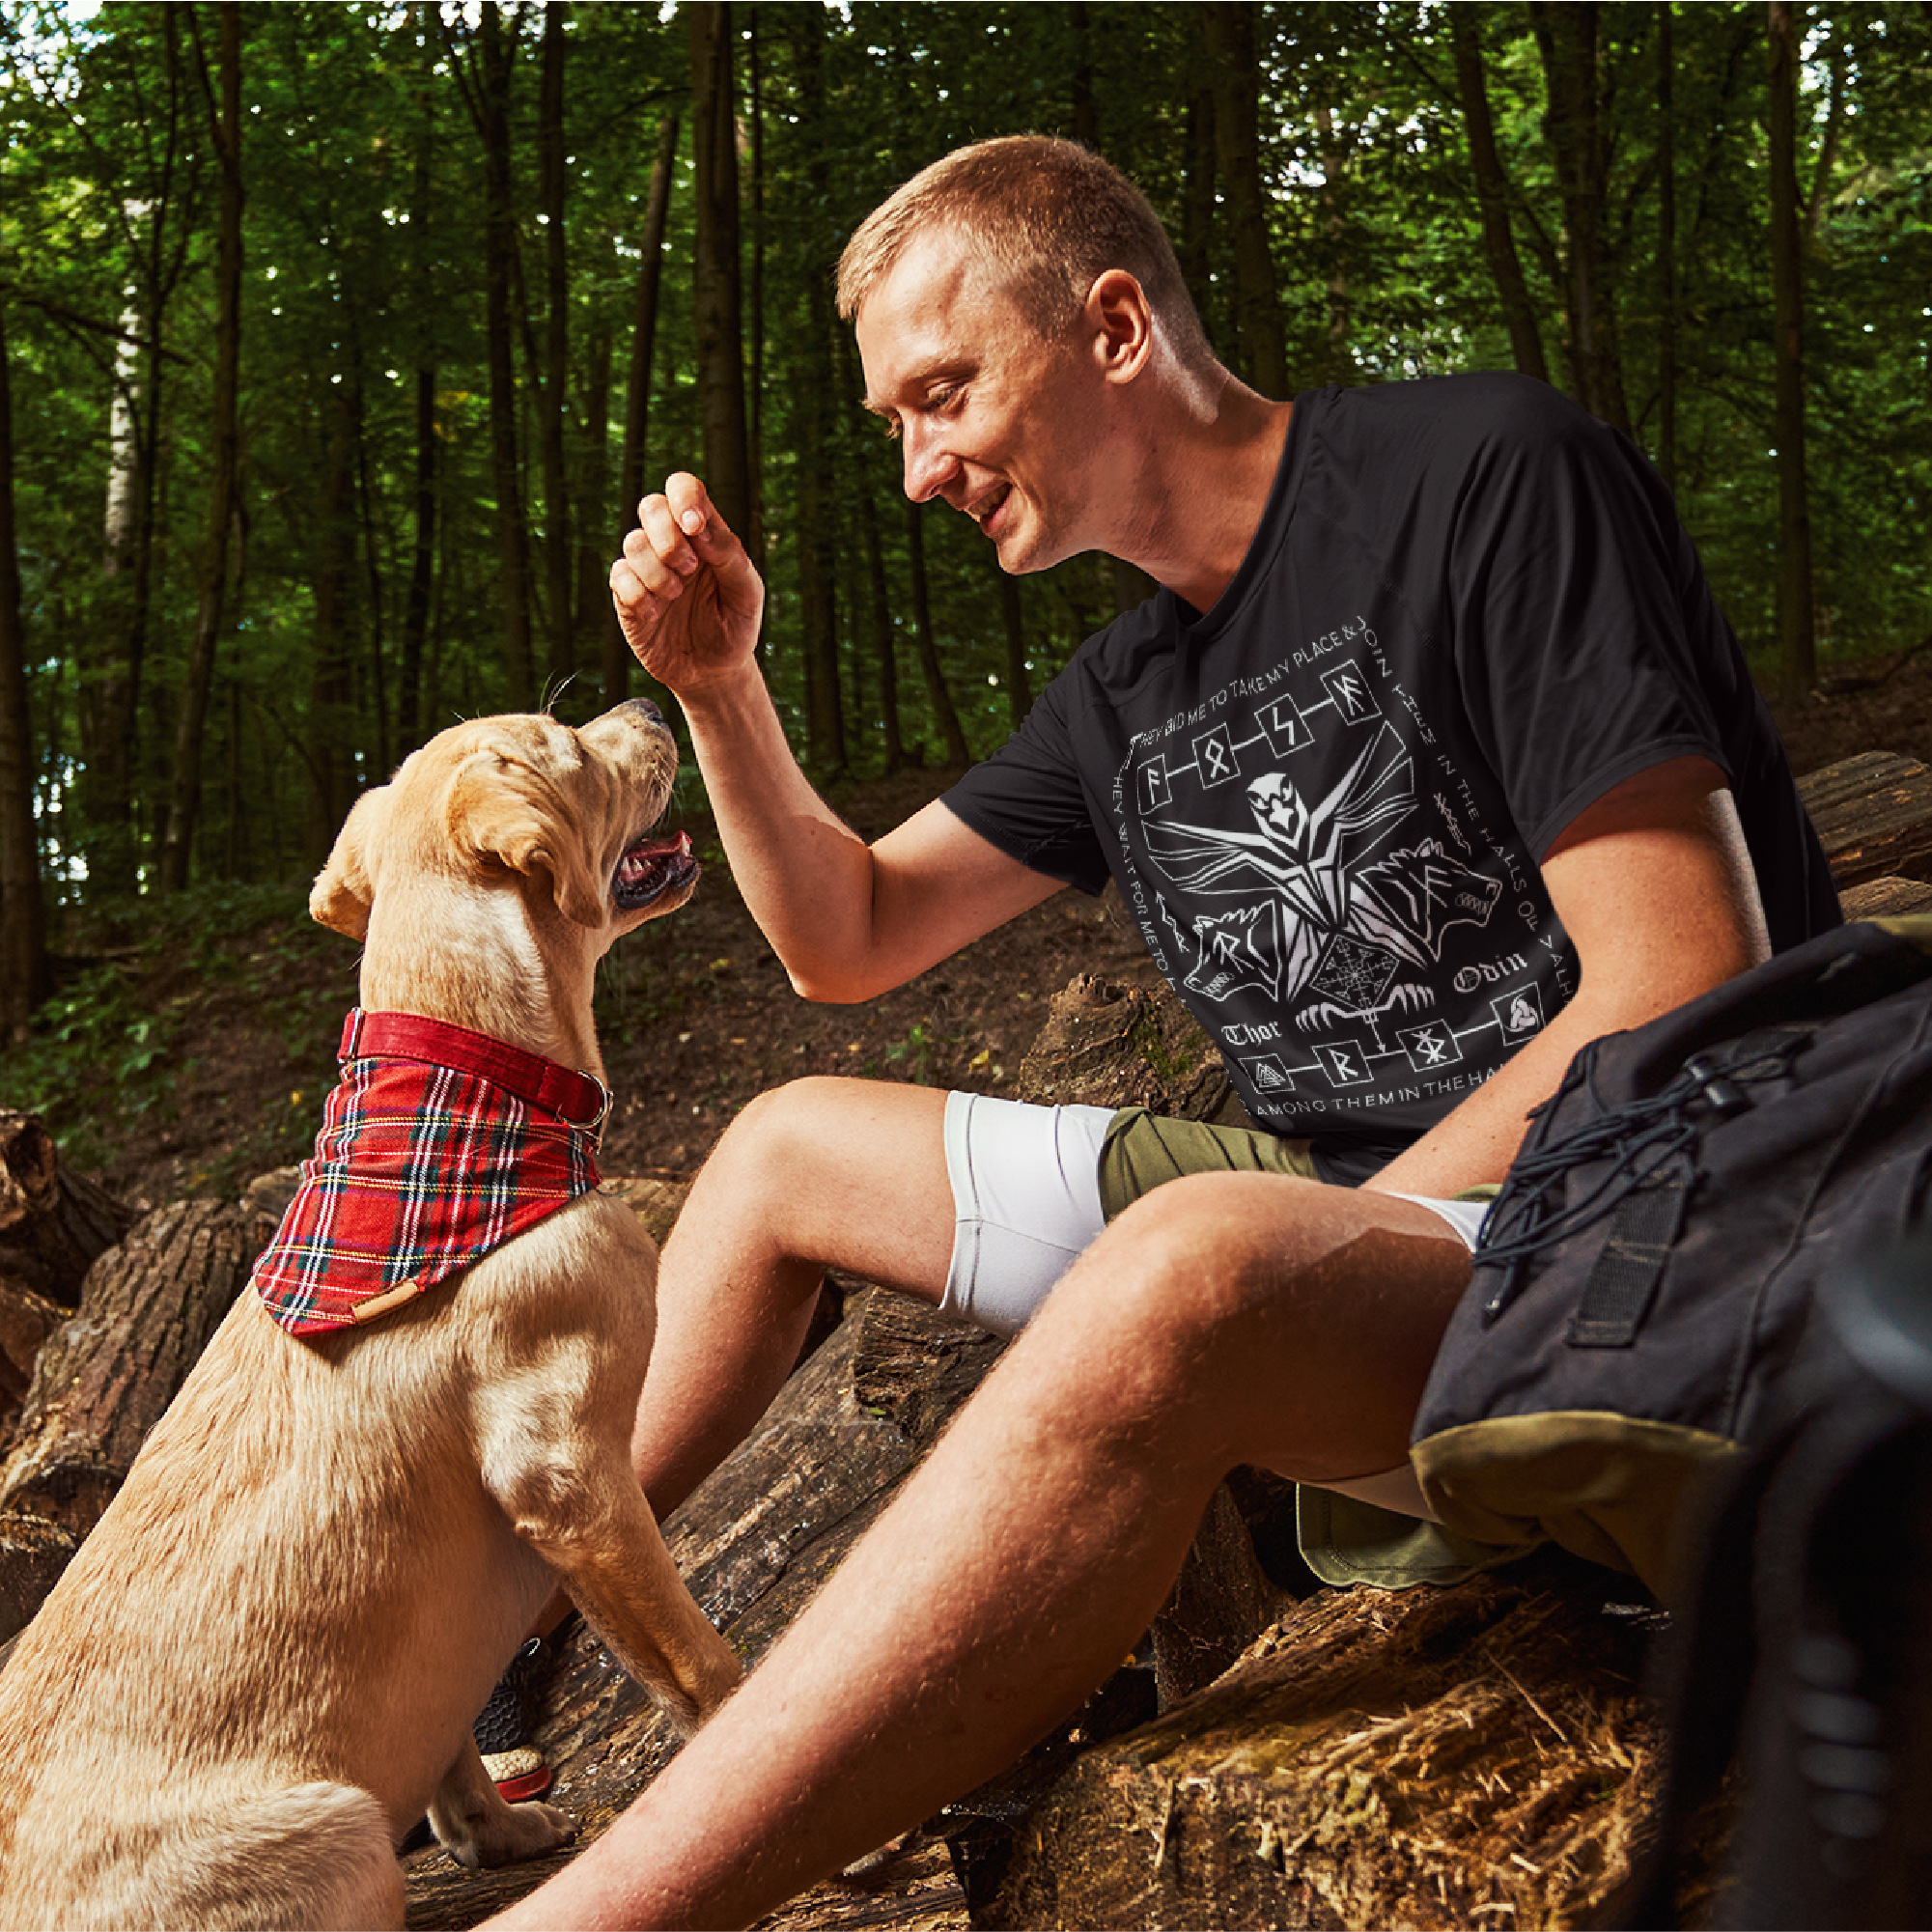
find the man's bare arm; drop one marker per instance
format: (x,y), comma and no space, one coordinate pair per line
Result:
(847,921)
(1655,889)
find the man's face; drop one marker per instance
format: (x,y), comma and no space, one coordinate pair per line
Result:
(996,419)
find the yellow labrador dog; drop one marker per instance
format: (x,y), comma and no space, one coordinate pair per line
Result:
(262,1667)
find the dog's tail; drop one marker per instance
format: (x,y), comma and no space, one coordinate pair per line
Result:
(306,1855)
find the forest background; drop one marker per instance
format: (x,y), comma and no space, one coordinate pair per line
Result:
(337,342)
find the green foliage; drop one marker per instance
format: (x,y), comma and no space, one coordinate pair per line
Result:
(94,1055)
(367,578)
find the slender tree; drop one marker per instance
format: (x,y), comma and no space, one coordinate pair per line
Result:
(23,920)
(224,489)
(559,560)
(617,658)
(1493,195)
(1797,636)
(718,282)
(952,736)
(1230,28)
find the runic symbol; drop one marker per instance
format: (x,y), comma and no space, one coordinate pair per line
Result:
(1155,791)
(1428,1046)
(1348,689)
(1286,728)
(1345,1060)
(1215,754)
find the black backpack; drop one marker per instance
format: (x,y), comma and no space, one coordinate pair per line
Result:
(1648,1298)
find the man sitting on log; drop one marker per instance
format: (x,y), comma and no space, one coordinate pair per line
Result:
(1431,759)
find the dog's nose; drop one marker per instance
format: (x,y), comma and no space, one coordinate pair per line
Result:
(646,706)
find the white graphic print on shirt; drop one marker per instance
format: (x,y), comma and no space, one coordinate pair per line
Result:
(1311,871)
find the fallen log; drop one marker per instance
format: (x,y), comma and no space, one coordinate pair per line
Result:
(1873,814)
(1428,1757)
(53,1223)
(147,1310)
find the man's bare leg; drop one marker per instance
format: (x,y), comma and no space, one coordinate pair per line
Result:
(821,1173)
(1223,1319)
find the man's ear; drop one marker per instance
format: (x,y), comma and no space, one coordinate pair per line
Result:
(506,810)
(345,889)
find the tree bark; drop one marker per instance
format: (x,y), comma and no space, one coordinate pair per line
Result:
(814,485)
(330,705)
(113,658)
(1797,637)
(53,1223)
(500,250)
(1230,29)
(1491,185)
(224,493)
(24,977)
(952,738)
(617,657)
(146,1313)
(1667,244)
(1567,37)
(717,283)
(559,554)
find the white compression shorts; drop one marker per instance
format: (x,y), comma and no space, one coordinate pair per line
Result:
(1026,1200)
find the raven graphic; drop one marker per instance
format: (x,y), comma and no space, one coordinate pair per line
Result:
(1306,854)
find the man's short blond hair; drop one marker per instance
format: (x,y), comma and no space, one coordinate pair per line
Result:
(1048,216)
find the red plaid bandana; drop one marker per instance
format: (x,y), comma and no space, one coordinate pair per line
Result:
(421,1168)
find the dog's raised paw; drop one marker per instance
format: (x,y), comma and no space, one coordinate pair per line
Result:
(516,1833)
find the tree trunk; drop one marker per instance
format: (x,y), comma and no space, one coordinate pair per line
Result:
(330,705)
(617,657)
(1796,639)
(184,792)
(1567,38)
(716,280)
(1083,110)
(500,252)
(1667,245)
(146,1313)
(952,739)
(559,553)
(112,659)
(815,488)
(1197,192)
(1230,28)
(24,978)
(1491,185)
(1019,680)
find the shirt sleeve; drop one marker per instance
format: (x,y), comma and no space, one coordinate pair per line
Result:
(1584,635)
(1027,797)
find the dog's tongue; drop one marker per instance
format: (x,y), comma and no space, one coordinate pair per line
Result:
(652,864)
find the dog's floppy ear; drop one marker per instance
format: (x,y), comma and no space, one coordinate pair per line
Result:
(506,809)
(345,889)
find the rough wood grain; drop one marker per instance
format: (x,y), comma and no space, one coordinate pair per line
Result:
(147,1310)
(1886,897)
(53,1223)
(1874,815)
(1469,1757)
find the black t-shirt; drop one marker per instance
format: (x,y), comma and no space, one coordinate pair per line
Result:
(1468,611)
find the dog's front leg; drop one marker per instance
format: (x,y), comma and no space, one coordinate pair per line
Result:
(477,1828)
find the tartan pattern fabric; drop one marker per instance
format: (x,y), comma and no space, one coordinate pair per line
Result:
(419,1170)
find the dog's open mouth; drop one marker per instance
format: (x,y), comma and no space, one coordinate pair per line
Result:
(652,868)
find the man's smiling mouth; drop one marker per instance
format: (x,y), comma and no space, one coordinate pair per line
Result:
(989,504)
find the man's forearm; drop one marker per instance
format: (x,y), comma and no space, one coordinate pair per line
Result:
(806,876)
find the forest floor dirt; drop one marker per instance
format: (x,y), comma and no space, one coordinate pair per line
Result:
(695,1014)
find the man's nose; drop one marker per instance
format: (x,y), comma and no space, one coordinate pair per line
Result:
(929,463)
